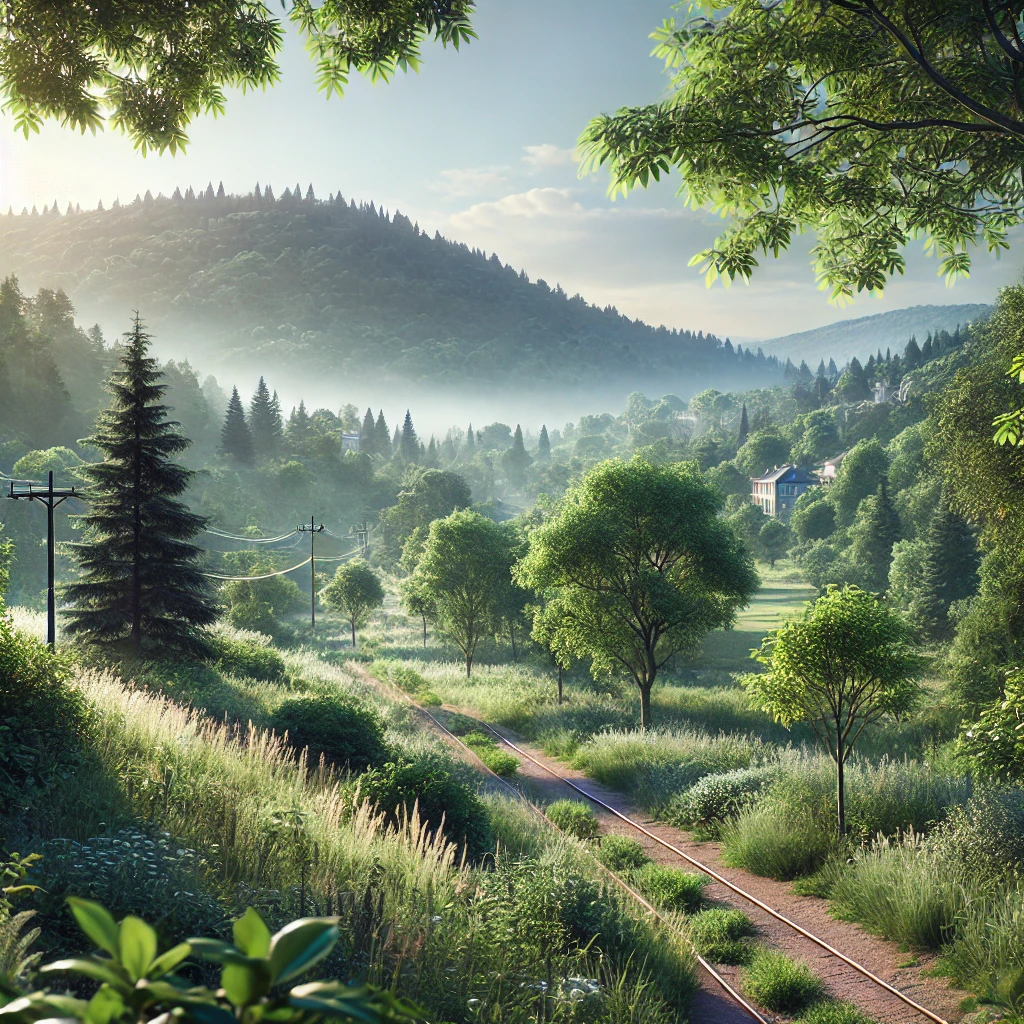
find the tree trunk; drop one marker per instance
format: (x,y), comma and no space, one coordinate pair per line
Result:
(840,792)
(512,637)
(645,706)
(424,631)
(352,622)
(559,684)
(136,628)
(469,665)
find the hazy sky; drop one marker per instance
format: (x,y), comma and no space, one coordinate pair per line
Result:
(479,146)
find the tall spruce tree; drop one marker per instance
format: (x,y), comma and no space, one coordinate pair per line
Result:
(409,443)
(470,441)
(544,444)
(383,436)
(515,461)
(876,530)
(367,435)
(264,423)
(949,571)
(744,433)
(235,437)
(298,427)
(140,583)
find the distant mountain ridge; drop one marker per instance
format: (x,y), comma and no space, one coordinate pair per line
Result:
(862,337)
(348,292)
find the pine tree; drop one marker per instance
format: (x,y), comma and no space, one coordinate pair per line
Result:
(744,433)
(470,441)
(298,427)
(409,444)
(949,570)
(383,436)
(264,424)
(544,444)
(396,441)
(220,190)
(874,533)
(515,461)
(235,437)
(275,411)
(367,435)
(140,581)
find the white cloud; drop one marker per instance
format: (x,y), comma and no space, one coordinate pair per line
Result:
(545,156)
(464,182)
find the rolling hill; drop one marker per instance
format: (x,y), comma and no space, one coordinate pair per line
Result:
(347,292)
(845,339)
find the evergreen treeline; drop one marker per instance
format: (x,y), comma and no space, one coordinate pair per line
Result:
(353,291)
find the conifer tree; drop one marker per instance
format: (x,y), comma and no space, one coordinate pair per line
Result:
(140,582)
(516,460)
(875,531)
(275,411)
(949,570)
(396,441)
(383,436)
(470,441)
(744,432)
(544,444)
(235,437)
(367,435)
(409,443)
(298,426)
(220,190)
(430,458)
(264,423)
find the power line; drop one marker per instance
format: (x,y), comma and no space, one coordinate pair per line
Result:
(265,576)
(312,530)
(249,540)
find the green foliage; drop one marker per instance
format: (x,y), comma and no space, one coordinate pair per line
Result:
(993,745)
(45,719)
(140,581)
(813,518)
(773,541)
(235,435)
(814,75)
(136,981)
(780,984)
(841,666)
(343,730)
(874,532)
(718,935)
(833,1012)
(670,888)
(573,817)
(247,654)
(354,591)
(501,762)
(859,476)
(431,788)
(819,439)
(717,798)
(762,452)
(620,853)
(260,604)
(640,566)
(768,839)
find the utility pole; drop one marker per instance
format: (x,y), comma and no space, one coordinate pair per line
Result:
(51,498)
(312,530)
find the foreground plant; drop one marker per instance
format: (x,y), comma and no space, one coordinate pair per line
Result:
(137,983)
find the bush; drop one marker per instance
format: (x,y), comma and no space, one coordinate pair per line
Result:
(462,725)
(499,761)
(776,841)
(338,726)
(573,817)
(443,799)
(779,983)
(248,654)
(620,853)
(829,1012)
(720,935)
(44,718)
(672,889)
(717,798)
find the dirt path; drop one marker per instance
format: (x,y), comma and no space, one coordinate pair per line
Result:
(879,956)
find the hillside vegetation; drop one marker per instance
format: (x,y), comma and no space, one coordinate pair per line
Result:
(351,291)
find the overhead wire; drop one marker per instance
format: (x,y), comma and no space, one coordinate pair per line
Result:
(213,531)
(265,576)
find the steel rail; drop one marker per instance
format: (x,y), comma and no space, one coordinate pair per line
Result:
(724,881)
(715,976)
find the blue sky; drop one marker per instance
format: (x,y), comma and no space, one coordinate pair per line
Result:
(479,146)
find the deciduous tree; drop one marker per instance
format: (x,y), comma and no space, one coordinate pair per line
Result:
(843,665)
(355,591)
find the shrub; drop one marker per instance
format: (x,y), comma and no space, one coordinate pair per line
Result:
(499,761)
(443,800)
(779,983)
(719,935)
(573,817)
(717,798)
(44,718)
(830,1012)
(429,699)
(672,889)
(776,841)
(338,726)
(620,853)
(462,725)
(245,653)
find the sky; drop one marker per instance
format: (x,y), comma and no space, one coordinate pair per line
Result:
(480,146)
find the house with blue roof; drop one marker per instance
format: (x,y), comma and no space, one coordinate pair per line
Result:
(777,490)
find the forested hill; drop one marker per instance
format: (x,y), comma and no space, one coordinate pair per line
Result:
(349,291)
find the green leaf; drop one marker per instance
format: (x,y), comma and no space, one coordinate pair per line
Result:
(299,945)
(137,944)
(218,952)
(166,962)
(98,970)
(245,984)
(97,922)
(104,1006)
(251,934)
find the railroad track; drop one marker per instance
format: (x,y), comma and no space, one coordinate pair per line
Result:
(693,862)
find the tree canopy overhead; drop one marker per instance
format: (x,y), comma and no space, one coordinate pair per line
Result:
(864,121)
(148,68)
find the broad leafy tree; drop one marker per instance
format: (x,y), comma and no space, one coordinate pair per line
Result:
(434,495)
(858,476)
(843,665)
(140,583)
(464,574)
(638,566)
(773,541)
(355,591)
(149,68)
(994,745)
(866,123)
(762,452)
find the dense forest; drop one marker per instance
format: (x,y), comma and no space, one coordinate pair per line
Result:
(353,292)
